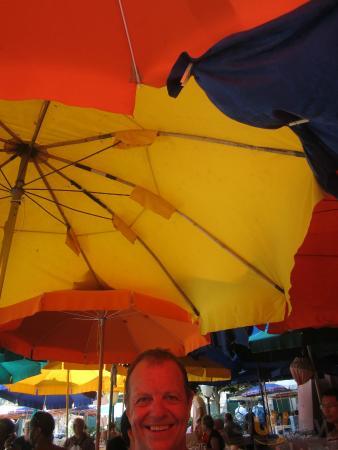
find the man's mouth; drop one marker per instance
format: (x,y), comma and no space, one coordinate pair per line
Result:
(157,428)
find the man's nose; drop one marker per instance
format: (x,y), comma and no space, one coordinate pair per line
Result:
(158,407)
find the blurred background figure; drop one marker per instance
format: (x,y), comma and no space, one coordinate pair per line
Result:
(80,439)
(7,433)
(199,409)
(240,413)
(22,442)
(259,412)
(329,407)
(41,429)
(120,441)
(211,436)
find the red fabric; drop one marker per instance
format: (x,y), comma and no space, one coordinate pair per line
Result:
(76,51)
(314,291)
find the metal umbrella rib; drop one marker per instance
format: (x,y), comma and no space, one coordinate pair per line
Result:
(149,251)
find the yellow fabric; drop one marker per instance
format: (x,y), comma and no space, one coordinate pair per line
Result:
(257,203)
(135,138)
(54,382)
(152,201)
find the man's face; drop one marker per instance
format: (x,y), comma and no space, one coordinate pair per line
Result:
(158,408)
(330,409)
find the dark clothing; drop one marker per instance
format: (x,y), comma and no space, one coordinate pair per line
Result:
(232,430)
(116,443)
(21,443)
(215,434)
(85,442)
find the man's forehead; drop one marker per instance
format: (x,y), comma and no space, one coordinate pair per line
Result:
(147,367)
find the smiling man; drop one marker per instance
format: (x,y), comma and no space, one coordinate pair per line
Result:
(158,401)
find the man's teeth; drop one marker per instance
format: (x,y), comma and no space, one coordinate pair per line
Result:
(159,427)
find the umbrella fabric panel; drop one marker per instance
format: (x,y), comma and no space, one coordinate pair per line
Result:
(257,77)
(95,68)
(314,281)
(55,382)
(221,203)
(45,401)
(269,387)
(65,326)
(13,371)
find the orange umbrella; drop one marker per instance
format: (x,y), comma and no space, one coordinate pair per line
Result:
(97,326)
(94,54)
(65,325)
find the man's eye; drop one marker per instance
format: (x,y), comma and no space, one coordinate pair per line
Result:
(143,401)
(172,397)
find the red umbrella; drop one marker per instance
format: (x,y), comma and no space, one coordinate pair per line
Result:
(91,54)
(314,278)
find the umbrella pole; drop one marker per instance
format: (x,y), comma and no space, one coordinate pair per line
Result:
(111,417)
(315,376)
(67,404)
(99,389)
(16,192)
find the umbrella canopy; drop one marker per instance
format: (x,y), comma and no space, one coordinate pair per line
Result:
(172,202)
(46,401)
(67,326)
(270,388)
(314,281)
(55,381)
(257,77)
(14,371)
(90,55)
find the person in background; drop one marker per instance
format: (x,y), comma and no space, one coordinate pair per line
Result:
(259,412)
(120,442)
(7,433)
(199,410)
(41,428)
(158,402)
(211,436)
(240,413)
(22,442)
(80,438)
(329,406)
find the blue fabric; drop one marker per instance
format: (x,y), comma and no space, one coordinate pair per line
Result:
(282,71)
(47,401)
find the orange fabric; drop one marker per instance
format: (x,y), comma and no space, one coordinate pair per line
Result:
(64,326)
(149,200)
(76,51)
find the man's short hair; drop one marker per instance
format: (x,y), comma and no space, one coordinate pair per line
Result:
(45,422)
(332,392)
(156,356)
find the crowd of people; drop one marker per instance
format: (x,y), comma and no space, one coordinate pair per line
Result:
(158,404)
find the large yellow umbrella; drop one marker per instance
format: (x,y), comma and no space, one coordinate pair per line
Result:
(176,201)
(63,381)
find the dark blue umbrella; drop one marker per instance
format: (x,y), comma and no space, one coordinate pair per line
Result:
(283,73)
(47,401)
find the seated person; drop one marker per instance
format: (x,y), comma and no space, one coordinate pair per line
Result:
(80,437)
(211,436)
(329,407)
(41,429)
(120,442)
(233,431)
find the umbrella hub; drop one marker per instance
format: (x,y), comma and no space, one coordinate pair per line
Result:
(24,149)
